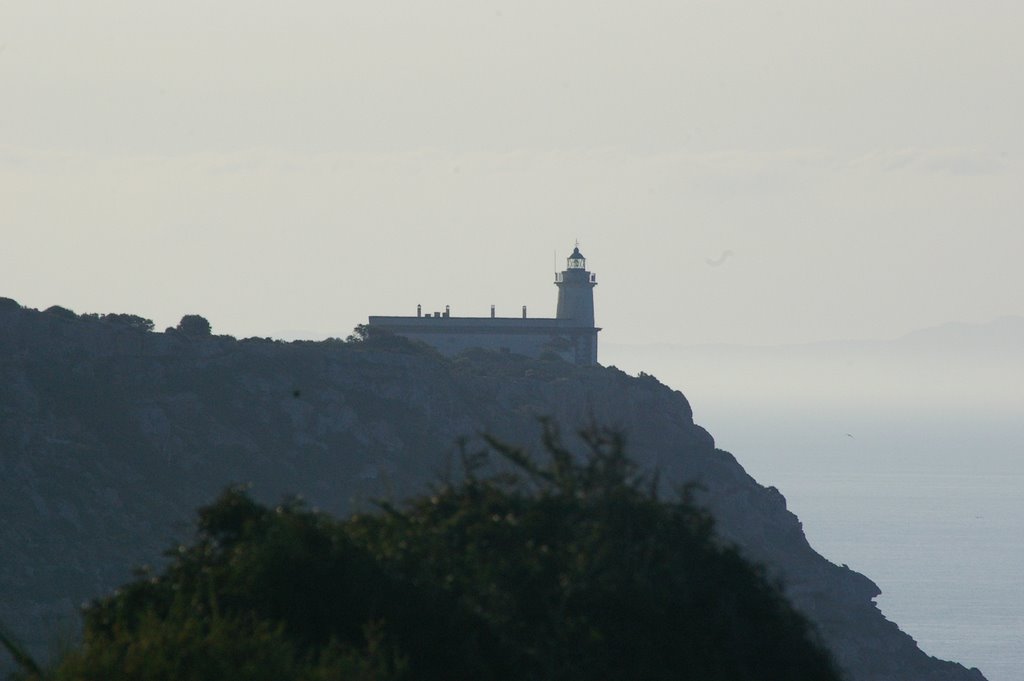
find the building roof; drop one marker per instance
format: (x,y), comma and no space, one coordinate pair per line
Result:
(430,324)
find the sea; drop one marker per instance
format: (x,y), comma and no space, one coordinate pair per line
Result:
(908,484)
(930,508)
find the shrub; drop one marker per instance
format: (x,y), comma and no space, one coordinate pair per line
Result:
(569,567)
(194,325)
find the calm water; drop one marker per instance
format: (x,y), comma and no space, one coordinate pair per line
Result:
(929,506)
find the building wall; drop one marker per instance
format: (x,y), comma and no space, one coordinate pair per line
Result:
(530,337)
(531,345)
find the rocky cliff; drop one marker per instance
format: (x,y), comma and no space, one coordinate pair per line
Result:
(111,436)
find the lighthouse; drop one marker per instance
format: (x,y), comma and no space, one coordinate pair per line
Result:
(576,291)
(576,306)
(570,335)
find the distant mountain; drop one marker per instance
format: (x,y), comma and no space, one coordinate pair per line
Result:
(111,436)
(1004,334)
(960,366)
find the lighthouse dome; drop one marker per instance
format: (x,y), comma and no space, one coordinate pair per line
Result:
(576,261)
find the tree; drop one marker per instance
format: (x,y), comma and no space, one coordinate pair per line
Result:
(194,325)
(360,334)
(62,312)
(377,338)
(570,567)
(129,320)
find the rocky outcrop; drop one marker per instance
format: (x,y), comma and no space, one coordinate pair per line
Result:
(110,437)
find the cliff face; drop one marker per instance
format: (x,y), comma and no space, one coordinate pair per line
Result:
(110,437)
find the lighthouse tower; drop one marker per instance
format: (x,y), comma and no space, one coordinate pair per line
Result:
(576,291)
(576,306)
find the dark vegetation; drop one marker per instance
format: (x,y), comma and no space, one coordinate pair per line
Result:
(194,325)
(567,568)
(130,321)
(381,339)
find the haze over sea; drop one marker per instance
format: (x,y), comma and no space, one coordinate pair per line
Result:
(902,459)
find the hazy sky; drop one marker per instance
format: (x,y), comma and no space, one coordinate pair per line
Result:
(299,166)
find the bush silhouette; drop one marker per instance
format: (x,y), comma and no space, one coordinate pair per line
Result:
(128,320)
(194,325)
(569,567)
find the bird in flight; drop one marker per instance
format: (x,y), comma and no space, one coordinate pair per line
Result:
(721,259)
